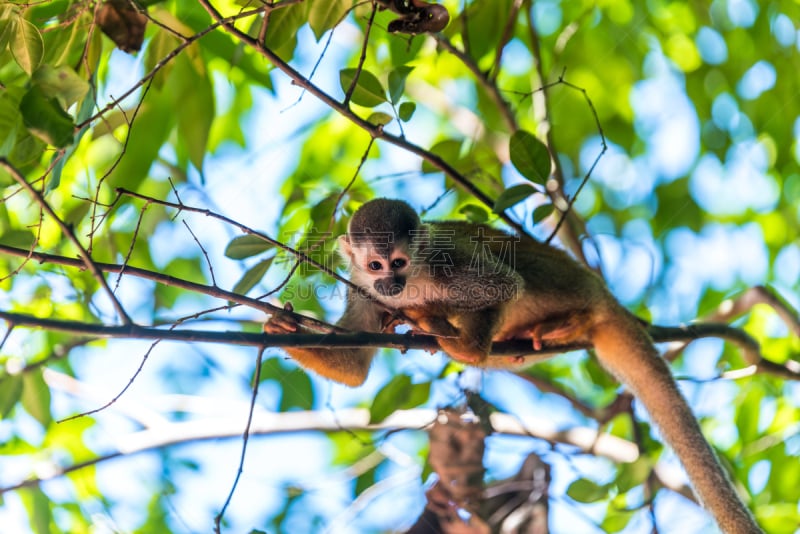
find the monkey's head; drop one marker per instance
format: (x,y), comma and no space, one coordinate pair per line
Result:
(377,245)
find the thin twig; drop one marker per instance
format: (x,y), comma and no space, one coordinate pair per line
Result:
(203,251)
(125,388)
(133,242)
(246,229)
(173,281)
(245,438)
(94,225)
(603,149)
(362,58)
(70,235)
(508,32)
(352,180)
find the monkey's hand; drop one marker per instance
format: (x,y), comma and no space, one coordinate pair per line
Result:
(281,323)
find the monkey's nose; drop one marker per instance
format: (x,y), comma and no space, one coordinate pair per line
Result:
(389,287)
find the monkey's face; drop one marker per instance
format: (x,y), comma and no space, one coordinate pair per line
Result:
(381,270)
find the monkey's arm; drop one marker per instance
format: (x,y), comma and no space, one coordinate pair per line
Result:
(347,366)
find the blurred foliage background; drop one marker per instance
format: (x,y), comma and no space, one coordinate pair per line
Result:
(692,109)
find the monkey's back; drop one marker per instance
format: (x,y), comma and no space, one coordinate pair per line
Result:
(555,285)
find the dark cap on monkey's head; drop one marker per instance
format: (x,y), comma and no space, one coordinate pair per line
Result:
(383,219)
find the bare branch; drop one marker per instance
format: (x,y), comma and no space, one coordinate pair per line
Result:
(585,439)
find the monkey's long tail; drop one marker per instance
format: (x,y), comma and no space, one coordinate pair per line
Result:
(625,349)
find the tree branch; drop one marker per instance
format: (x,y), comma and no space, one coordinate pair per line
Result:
(402,342)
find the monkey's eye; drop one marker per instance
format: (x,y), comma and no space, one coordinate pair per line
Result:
(399,263)
(374,266)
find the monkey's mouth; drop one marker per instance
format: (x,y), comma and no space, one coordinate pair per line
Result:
(389,287)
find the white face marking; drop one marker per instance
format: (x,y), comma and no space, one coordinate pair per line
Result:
(369,266)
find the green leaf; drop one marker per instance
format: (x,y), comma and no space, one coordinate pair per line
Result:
(246,246)
(390,398)
(512,196)
(397,82)
(368,91)
(474,213)
(58,160)
(45,119)
(616,520)
(529,156)
(633,474)
(193,103)
(10,393)
(297,391)
(586,491)
(379,118)
(283,25)
(404,49)
(147,135)
(449,150)
(542,212)
(365,480)
(27,150)
(252,276)
(7,25)
(18,238)
(39,510)
(325,14)
(406,111)
(778,518)
(749,413)
(10,119)
(36,397)
(417,395)
(27,45)
(62,83)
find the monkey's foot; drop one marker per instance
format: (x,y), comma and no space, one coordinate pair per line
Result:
(561,330)
(281,323)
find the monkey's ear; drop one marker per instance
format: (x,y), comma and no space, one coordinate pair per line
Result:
(345,248)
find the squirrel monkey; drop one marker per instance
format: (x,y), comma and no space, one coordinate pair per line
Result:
(471,284)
